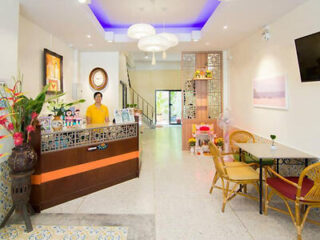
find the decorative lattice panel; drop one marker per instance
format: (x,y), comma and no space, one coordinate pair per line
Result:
(213,62)
(56,141)
(189,97)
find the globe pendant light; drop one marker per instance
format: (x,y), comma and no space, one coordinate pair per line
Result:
(140,30)
(153,43)
(172,41)
(171,38)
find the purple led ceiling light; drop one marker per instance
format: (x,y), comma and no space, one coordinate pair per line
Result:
(209,8)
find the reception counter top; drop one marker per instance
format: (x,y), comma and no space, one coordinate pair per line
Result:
(91,134)
(77,162)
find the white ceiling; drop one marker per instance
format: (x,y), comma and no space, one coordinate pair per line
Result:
(72,21)
(152,11)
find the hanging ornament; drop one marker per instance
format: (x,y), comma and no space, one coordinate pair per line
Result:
(164,55)
(153,59)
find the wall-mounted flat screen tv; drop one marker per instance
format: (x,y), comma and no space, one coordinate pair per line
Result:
(308,51)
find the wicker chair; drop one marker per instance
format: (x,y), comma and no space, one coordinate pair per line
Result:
(303,190)
(240,136)
(240,174)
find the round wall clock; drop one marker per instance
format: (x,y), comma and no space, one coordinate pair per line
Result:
(98,78)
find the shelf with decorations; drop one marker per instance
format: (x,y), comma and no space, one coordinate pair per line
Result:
(201,90)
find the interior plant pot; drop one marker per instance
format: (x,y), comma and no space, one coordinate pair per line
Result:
(57,123)
(23,158)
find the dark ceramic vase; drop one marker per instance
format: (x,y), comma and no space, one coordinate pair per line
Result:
(22,159)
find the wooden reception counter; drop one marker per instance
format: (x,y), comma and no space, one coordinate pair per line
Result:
(74,163)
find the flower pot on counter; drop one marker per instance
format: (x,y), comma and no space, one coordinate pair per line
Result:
(22,159)
(57,123)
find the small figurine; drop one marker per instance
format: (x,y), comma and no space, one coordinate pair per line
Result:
(77,118)
(68,118)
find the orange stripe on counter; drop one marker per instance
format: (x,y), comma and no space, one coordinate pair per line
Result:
(68,171)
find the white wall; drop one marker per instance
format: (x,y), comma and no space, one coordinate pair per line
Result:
(109,61)
(9,24)
(254,57)
(32,41)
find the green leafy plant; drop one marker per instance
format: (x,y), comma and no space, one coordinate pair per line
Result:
(21,110)
(131,105)
(58,107)
(273,137)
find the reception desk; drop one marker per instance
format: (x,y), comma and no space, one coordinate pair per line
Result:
(77,162)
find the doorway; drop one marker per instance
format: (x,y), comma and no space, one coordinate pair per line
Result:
(168,107)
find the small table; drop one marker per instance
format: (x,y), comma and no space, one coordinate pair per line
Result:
(264,151)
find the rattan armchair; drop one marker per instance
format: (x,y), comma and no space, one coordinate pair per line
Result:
(238,174)
(240,136)
(304,191)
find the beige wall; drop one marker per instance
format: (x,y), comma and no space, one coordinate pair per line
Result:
(145,82)
(109,61)
(254,57)
(32,41)
(9,25)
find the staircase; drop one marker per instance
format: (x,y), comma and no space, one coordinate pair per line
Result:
(142,104)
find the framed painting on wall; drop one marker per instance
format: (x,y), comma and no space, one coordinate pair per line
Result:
(270,92)
(53,74)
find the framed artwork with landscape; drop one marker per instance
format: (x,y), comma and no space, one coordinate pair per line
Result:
(53,74)
(270,92)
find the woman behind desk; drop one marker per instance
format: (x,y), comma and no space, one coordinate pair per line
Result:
(97,112)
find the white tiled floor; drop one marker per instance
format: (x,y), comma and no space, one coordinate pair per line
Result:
(173,185)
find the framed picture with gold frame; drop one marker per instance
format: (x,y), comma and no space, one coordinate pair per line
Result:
(53,71)
(98,78)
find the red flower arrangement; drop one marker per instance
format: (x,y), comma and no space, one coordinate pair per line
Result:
(21,111)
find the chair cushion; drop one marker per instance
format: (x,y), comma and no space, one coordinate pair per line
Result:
(287,189)
(252,159)
(242,173)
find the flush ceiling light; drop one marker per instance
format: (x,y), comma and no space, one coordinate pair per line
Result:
(141,30)
(85,1)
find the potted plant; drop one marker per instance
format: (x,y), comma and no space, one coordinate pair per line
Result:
(58,107)
(19,121)
(192,143)
(136,110)
(273,138)
(208,74)
(219,142)
(197,74)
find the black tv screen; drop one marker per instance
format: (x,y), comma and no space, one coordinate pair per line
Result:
(308,51)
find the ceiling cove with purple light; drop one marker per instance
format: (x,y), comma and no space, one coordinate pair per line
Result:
(196,24)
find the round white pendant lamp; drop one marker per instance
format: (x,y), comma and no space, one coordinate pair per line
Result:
(171,38)
(153,43)
(140,30)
